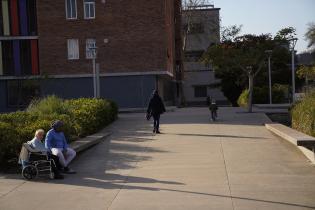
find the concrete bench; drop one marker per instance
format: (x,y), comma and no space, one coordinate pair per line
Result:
(304,142)
(89,141)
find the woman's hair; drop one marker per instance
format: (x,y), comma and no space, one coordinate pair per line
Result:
(39,131)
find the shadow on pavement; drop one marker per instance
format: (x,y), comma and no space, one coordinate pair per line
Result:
(226,116)
(219,136)
(116,181)
(107,165)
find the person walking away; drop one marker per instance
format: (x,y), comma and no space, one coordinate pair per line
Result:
(56,143)
(156,108)
(213,109)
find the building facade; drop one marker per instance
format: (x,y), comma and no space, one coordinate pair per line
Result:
(46,49)
(201,25)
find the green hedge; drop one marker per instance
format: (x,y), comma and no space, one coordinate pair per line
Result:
(81,117)
(261,95)
(303,115)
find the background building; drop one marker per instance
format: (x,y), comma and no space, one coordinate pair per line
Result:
(135,40)
(202,25)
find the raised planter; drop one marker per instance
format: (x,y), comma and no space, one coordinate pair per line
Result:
(304,142)
(89,141)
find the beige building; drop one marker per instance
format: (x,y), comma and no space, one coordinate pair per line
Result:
(201,27)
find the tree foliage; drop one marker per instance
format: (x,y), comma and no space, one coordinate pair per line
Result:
(238,59)
(310,35)
(306,72)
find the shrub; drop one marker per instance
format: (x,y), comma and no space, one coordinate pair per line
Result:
(49,105)
(243,99)
(261,95)
(91,115)
(279,93)
(303,115)
(81,117)
(9,141)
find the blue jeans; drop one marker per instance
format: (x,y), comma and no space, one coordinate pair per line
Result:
(156,119)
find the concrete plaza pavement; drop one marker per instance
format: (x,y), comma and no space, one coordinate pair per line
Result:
(234,163)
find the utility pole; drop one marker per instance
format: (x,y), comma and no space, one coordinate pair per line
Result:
(292,46)
(269,53)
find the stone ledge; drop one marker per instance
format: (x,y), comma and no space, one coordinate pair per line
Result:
(143,110)
(89,141)
(301,140)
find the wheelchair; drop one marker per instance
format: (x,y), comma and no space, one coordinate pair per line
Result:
(36,164)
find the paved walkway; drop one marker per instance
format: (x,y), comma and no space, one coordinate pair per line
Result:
(195,164)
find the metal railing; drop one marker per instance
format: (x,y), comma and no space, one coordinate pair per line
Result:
(199,7)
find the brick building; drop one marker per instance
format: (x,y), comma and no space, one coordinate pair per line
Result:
(45,49)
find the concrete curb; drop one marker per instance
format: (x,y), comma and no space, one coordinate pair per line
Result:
(89,141)
(272,106)
(294,137)
(143,110)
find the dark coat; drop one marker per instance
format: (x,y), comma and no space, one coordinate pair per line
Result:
(156,106)
(213,107)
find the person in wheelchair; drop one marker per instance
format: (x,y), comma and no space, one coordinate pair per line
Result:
(38,146)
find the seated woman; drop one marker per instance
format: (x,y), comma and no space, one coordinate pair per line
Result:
(56,143)
(37,144)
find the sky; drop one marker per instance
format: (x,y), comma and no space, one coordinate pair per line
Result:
(268,16)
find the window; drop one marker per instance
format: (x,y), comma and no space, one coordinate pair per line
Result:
(32,17)
(89,9)
(200,91)
(71,9)
(193,56)
(26,57)
(21,92)
(195,28)
(7,57)
(73,49)
(90,43)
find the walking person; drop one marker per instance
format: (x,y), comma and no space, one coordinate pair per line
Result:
(213,109)
(156,108)
(56,143)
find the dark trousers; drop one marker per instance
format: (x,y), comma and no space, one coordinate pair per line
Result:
(156,119)
(56,167)
(214,114)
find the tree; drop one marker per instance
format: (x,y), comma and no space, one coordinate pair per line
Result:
(310,35)
(307,73)
(285,34)
(239,60)
(244,54)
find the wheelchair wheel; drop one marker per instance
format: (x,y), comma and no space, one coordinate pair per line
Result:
(29,172)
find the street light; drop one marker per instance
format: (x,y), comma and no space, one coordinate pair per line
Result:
(96,69)
(269,53)
(292,46)
(94,54)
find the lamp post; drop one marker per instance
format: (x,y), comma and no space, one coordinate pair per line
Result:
(292,46)
(269,53)
(94,54)
(250,87)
